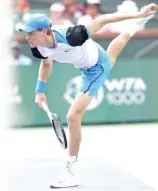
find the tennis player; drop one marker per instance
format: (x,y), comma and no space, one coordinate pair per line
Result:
(74,45)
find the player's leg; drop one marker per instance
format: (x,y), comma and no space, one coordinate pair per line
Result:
(74,118)
(118,44)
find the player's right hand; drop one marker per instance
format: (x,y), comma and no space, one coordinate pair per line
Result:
(39,98)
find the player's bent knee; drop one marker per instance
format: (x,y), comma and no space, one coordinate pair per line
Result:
(72,117)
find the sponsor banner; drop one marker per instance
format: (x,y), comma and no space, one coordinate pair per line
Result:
(129,94)
(117,92)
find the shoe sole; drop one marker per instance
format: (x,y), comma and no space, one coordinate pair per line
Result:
(56,187)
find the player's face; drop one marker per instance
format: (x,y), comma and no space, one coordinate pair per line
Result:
(36,38)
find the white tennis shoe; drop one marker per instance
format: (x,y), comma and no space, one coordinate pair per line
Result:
(138,24)
(68,179)
(142,21)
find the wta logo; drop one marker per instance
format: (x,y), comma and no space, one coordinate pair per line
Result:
(124,91)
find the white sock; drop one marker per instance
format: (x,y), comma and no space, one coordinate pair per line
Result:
(138,25)
(133,29)
(70,162)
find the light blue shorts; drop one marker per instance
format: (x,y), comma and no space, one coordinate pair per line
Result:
(94,77)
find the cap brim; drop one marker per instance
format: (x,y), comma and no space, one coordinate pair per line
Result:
(27,29)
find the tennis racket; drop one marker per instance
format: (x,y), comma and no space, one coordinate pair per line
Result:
(57,126)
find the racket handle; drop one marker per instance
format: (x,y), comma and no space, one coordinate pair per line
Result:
(45,107)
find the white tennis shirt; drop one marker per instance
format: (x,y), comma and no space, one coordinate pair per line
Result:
(73,45)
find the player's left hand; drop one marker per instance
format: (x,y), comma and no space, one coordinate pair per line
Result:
(148,10)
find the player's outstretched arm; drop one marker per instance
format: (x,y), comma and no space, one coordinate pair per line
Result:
(99,22)
(45,70)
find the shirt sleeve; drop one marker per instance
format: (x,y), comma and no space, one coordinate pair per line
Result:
(77,35)
(37,54)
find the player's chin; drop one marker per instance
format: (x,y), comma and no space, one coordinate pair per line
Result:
(32,45)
